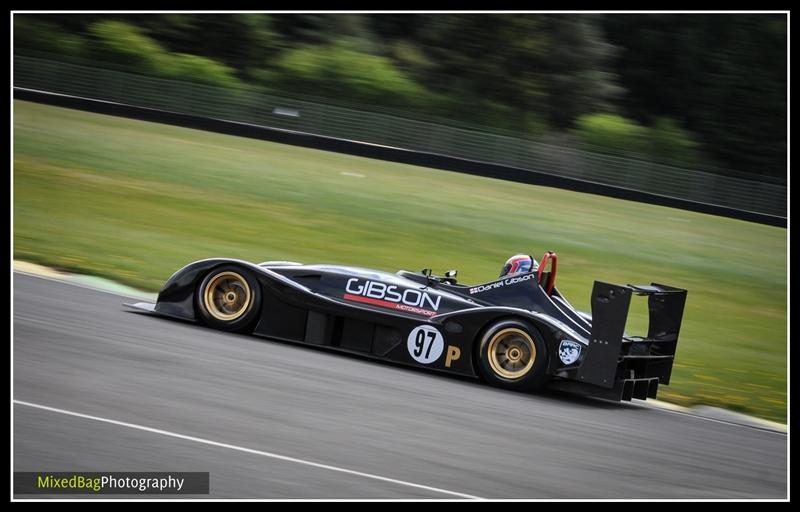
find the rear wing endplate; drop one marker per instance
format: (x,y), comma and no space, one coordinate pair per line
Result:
(610,305)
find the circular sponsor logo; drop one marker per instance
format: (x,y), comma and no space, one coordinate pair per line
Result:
(425,344)
(569,351)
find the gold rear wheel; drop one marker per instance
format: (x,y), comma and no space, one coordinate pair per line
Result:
(512,353)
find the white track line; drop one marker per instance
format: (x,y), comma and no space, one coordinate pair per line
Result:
(247,450)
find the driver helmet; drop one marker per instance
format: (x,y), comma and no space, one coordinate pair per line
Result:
(518,264)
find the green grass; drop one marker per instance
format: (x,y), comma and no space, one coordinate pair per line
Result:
(134,201)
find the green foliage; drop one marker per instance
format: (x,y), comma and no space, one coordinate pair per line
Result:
(242,42)
(125,45)
(200,69)
(553,66)
(672,144)
(611,133)
(724,76)
(665,142)
(34,33)
(342,71)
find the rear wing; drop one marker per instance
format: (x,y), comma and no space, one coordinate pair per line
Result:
(636,364)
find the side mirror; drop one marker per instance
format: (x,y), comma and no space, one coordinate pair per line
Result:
(427,272)
(451,273)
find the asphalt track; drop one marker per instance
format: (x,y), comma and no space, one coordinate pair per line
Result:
(276,420)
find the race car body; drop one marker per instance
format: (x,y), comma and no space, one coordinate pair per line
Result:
(516,332)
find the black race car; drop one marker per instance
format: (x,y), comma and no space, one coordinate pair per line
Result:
(517,332)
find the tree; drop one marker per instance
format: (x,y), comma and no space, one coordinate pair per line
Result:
(240,41)
(551,67)
(723,76)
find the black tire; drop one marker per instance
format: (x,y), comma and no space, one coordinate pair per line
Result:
(229,298)
(512,354)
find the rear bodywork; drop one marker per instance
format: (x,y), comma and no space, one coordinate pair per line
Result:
(375,313)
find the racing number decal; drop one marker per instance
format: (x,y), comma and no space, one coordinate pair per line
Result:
(425,344)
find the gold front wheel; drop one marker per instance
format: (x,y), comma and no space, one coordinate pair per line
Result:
(229,298)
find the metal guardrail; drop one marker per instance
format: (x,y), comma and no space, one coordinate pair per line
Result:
(248,105)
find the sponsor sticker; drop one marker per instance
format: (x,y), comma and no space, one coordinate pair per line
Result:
(391,296)
(569,351)
(499,284)
(425,344)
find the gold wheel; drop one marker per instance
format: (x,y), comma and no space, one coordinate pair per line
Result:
(512,353)
(227,296)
